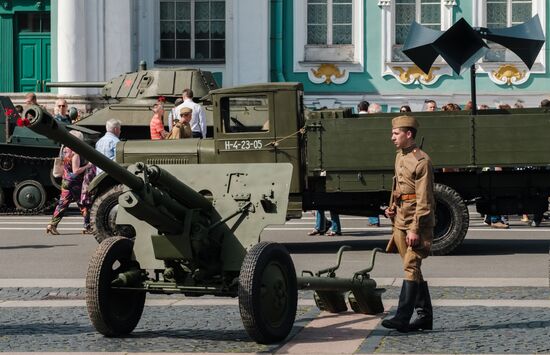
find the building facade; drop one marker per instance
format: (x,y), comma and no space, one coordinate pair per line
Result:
(343,51)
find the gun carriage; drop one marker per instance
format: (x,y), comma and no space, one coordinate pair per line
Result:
(198,229)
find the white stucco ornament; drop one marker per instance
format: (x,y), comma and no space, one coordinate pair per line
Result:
(411,74)
(509,74)
(328,73)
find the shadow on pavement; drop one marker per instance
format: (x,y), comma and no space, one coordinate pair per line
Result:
(333,245)
(501,247)
(38,246)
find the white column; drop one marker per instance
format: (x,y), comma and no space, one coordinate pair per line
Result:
(249,58)
(119,33)
(71,43)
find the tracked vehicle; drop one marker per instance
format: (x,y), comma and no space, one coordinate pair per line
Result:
(129,97)
(26,159)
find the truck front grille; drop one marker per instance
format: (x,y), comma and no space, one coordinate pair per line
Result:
(161,161)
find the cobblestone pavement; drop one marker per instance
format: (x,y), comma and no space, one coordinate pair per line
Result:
(161,329)
(218,328)
(505,293)
(474,330)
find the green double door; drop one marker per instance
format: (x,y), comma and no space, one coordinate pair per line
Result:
(33,62)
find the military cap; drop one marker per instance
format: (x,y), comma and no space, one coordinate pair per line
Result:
(186,110)
(404,121)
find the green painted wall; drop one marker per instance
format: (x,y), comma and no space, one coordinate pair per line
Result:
(8,8)
(371,80)
(6,54)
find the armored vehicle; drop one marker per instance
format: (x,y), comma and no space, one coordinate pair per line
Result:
(344,162)
(26,159)
(130,96)
(198,228)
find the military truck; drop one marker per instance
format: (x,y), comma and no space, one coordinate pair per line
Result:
(26,159)
(344,162)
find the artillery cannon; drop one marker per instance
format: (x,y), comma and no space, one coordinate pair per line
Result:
(198,228)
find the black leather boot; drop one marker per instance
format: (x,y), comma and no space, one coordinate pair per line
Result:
(424,311)
(405,308)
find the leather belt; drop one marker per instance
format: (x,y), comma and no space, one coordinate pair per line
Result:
(406,197)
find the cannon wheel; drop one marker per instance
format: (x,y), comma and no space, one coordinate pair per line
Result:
(103,216)
(29,195)
(451,220)
(112,312)
(268,293)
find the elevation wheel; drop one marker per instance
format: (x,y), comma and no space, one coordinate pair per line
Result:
(268,294)
(112,312)
(103,216)
(451,220)
(29,195)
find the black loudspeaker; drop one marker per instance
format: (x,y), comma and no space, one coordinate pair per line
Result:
(525,40)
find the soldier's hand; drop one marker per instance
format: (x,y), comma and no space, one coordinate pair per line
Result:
(389,212)
(412,239)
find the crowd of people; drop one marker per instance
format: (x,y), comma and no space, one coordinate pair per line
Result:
(187,119)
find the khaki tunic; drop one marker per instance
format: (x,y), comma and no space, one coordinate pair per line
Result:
(180,130)
(414,213)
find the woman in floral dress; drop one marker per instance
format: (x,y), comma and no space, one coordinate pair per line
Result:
(74,170)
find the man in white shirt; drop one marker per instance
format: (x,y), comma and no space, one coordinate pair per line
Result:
(198,121)
(106,145)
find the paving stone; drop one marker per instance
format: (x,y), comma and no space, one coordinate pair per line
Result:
(463,330)
(506,293)
(161,329)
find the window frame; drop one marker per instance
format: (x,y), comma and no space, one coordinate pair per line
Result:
(347,58)
(406,72)
(330,25)
(479,8)
(192,40)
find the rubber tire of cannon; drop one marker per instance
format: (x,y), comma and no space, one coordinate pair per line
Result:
(112,312)
(451,220)
(268,294)
(102,216)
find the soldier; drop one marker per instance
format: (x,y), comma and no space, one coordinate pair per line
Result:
(412,213)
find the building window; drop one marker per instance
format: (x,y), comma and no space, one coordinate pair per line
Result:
(329,22)
(425,12)
(505,13)
(192,30)
(328,39)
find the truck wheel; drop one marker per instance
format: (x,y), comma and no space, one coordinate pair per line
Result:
(29,195)
(103,216)
(451,220)
(268,293)
(112,312)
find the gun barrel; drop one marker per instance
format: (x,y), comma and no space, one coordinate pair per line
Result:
(180,191)
(76,84)
(43,123)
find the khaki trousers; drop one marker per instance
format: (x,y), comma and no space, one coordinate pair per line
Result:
(412,257)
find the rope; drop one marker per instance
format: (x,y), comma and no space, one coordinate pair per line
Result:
(276,143)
